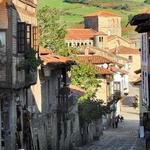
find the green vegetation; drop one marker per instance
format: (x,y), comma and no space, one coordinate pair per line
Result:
(73,12)
(84,76)
(147,1)
(89,110)
(52,31)
(30,63)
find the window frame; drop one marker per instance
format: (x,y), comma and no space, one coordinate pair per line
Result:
(23,37)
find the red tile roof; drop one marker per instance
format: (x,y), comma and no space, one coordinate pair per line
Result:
(103,71)
(93,50)
(115,69)
(124,50)
(55,59)
(94,59)
(102,13)
(81,34)
(77,90)
(43,51)
(147,11)
(3,16)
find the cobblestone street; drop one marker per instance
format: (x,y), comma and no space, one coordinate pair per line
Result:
(125,137)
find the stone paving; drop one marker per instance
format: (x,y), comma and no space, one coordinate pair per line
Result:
(125,137)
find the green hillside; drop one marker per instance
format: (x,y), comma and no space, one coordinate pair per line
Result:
(72,13)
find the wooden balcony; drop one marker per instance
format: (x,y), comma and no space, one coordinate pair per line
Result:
(114,98)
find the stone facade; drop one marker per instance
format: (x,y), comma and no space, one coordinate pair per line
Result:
(106,22)
(13,85)
(55,121)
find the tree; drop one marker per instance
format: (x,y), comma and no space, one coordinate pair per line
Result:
(84,76)
(147,1)
(52,30)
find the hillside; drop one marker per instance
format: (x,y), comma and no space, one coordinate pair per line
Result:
(72,13)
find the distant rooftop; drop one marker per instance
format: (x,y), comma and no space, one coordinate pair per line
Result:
(56,60)
(102,13)
(94,59)
(124,50)
(81,34)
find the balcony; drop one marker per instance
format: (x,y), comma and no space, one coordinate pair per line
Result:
(114,98)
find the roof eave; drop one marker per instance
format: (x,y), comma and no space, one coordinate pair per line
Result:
(138,19)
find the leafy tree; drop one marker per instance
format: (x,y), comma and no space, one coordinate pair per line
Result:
(147,1)
(52,30)
(89,110)
(84,76)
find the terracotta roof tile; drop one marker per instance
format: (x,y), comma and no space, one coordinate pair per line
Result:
(81,34)
(147,11)
(115,69)
(76,89)
(103,71)
(94,59)
(102,13)
(43,51)
(3,16)
(93,50)
(55,59)
(124,50)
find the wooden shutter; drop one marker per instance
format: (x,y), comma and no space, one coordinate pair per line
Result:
(35,39)
(28,37)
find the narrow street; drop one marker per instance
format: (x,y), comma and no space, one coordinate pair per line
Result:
(125,137)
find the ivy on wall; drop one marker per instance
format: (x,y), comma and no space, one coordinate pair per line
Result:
(30,63)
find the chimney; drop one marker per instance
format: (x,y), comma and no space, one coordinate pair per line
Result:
(86,52)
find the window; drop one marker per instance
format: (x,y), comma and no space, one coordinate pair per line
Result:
(2,41)
(116,86)
(23,37)
(100,39)
(70,44)
(130,58)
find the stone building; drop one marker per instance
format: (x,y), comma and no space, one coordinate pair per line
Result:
(134,61)
(102,30)
(142,23)
(18,34)
(90,37)
(107,22)
(55,120)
